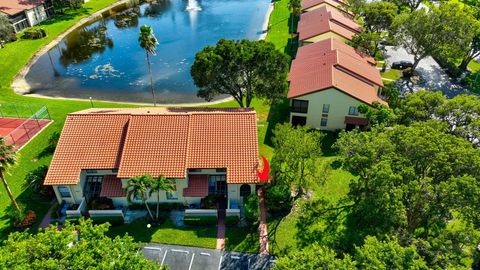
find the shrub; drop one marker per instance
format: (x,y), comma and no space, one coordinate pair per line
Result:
(278,199)
(34,179)
(113,220)
(200,220)
(21,218)
(209,202)
(407,73)
(6,29)
(231,220)
(34,33)
(102,203)
(164,207)
(472,82)
(252,211)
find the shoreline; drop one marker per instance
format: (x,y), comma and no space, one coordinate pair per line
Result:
(266,21)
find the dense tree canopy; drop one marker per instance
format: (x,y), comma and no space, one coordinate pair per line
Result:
(367,42)
(6,29)
(243,69)
(82,246)
(295,162)
(378,16)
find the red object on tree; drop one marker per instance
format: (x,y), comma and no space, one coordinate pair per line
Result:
(263,175)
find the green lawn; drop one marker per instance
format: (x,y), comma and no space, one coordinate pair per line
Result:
(168,233)
(242,239)
(474,66)
(392,74)
(279,25)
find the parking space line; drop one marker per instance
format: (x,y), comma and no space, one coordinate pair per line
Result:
(235,257)
(179,250)
(220,262)
(204,253)
(152,248)
(191,261)
(164,255)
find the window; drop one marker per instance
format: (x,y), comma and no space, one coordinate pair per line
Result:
(172,195)
(64,192)
(93,186)
(353,110)
(326,108)
(299,120)
(299,106)
(323,122)
(217,185)
(245,190)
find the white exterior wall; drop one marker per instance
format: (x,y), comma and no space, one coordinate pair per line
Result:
(36,15)
(339,107)
(234,193)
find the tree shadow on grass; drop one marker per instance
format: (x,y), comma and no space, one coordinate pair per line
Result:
(68,15)
(278,114)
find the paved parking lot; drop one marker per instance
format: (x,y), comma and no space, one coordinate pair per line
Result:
(192,258)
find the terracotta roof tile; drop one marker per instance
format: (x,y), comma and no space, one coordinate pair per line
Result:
(323,20)
(330,44)
(112,187)
(12,7)
(87,142)
(311,3)
(157,141)
(197,186)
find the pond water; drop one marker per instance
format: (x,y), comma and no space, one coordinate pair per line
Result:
(103,59)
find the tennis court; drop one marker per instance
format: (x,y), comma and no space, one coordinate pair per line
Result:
(19,131)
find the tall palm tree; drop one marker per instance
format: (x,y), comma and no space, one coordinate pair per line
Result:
(296,7)
(138,187)
(7,158)
(158,184)
(148,42)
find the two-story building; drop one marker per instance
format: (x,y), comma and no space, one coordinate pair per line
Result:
(26,13)
(328,83)
(326,22)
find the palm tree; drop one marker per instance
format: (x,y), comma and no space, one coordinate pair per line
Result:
(158,184)
(296,7)
(7,158)
(138,187)
(149,42)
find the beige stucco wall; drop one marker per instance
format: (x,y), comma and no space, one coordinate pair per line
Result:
(323,37)
(339,106)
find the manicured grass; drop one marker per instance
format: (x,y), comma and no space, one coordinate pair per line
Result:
(283,231)
(168,233)
(392,74)
(474,66)
(279,25)
(242,239)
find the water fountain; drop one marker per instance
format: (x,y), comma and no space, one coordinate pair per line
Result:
(193,6)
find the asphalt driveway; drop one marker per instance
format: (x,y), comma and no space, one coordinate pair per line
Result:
(193,258)
(433,76)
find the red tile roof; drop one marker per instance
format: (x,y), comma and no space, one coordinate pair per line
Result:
(306,78)
(330,44)
(323,20)
(112,187)
(157,141)
(311,3)
(12,7)
(197,186)
(87,142)
(357,66)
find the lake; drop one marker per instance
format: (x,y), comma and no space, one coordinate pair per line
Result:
(103,59)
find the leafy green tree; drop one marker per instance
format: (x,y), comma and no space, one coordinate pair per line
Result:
(295,162)
(35,178)
(367,42)
(378,16)
(82,246)
(159,184)
(243,69)
(6,29)
(379,114)
(314,257)
(148,42)
(411,4)
(406,179)
(387,254)
(138,187)
(471,53)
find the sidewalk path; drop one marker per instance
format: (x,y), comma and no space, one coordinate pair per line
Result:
(262,228)
(221,230)
(47,219)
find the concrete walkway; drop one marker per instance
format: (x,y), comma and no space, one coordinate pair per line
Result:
(262,228)
(221,230)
